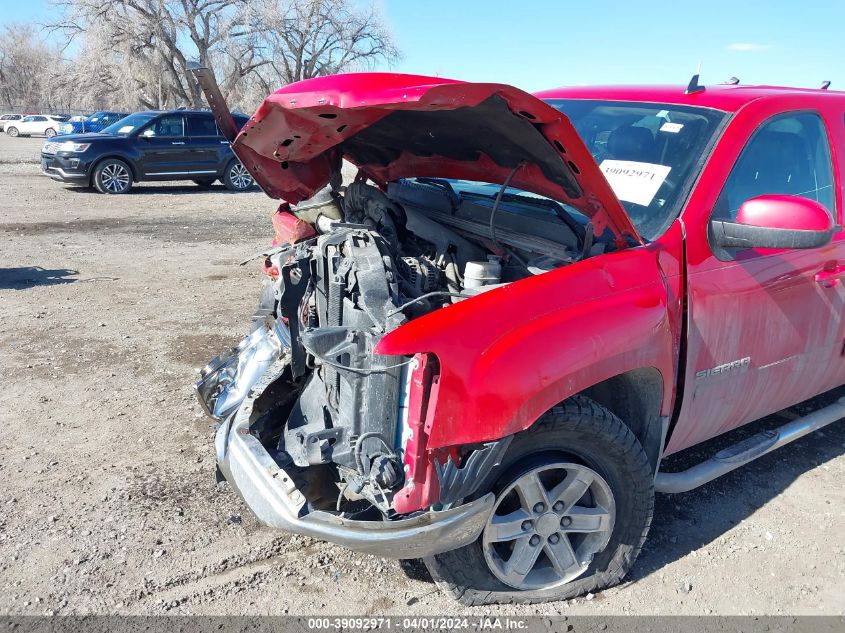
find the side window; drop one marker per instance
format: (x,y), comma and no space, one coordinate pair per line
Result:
(40,119)
(202,125)
(789,155)
(170,125)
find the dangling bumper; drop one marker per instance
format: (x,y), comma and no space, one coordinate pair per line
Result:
(228,387)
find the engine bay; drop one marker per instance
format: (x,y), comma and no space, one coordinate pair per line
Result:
(361,262)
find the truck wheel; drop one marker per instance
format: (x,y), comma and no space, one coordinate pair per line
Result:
(112,176)
(574,501)
(12,131)
(237,177)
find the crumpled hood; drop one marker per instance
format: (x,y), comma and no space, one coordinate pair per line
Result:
(396,126)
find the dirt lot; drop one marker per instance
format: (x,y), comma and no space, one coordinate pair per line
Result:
(109,304)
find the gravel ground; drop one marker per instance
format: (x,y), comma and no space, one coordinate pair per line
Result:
(109,304)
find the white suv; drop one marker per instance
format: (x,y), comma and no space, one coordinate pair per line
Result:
(45,124)
(8,118)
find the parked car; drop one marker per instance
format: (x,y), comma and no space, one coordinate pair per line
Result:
(5,119)
(479,352)
(35,125)
(94,123)
(148,146)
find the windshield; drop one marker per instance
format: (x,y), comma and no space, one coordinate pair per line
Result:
(648,152)
(128,125)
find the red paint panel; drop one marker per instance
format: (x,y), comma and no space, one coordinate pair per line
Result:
(422,488)
(289,228)
(510,354)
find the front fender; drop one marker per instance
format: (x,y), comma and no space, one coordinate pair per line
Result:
(508,355)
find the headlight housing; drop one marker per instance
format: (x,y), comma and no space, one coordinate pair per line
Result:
(72,146)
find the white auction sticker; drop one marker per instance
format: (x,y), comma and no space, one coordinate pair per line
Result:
(673,128)
(632,181)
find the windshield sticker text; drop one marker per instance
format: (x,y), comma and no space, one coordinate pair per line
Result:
(674,128)
(633,181)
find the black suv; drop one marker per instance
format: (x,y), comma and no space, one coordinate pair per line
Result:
(153,145)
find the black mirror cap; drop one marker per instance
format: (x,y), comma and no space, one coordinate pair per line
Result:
(732,235)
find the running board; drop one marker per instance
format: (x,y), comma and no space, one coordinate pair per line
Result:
(748,450)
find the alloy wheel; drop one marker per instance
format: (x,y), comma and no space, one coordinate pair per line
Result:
(239,176)
(547,525)
(115,178)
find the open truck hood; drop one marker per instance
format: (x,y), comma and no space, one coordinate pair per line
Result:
(395,126)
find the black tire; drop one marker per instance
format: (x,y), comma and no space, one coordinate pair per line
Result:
(49,132)
(112,176)
(12,131)
(236,178)
(205,183)
(580,431)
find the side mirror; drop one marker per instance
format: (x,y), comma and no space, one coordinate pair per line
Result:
(775,221)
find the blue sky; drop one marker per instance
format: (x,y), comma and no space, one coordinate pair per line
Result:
(542,44)
(545,43)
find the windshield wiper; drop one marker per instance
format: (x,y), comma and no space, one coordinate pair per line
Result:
(444,185)
(559,210)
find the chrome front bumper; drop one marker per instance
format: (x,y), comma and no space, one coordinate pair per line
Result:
(272,495)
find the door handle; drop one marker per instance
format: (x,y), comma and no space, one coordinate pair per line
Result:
(178,143)
(829,277)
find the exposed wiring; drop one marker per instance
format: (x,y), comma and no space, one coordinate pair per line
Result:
(358,370)
(427,295)
(498,200)
(359,445)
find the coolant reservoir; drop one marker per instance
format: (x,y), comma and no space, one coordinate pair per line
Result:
(477,274)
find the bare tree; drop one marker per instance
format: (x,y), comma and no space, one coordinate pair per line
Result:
(159,34)
(138,51)
(301,40)
(27,67)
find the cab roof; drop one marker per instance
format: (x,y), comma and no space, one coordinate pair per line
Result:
(728,98)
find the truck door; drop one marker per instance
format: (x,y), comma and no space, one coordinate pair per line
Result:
(763,325)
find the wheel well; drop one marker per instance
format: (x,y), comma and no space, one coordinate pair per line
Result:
(635,397)
(115,157)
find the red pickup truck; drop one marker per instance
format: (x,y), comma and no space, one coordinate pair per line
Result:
(479,351)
